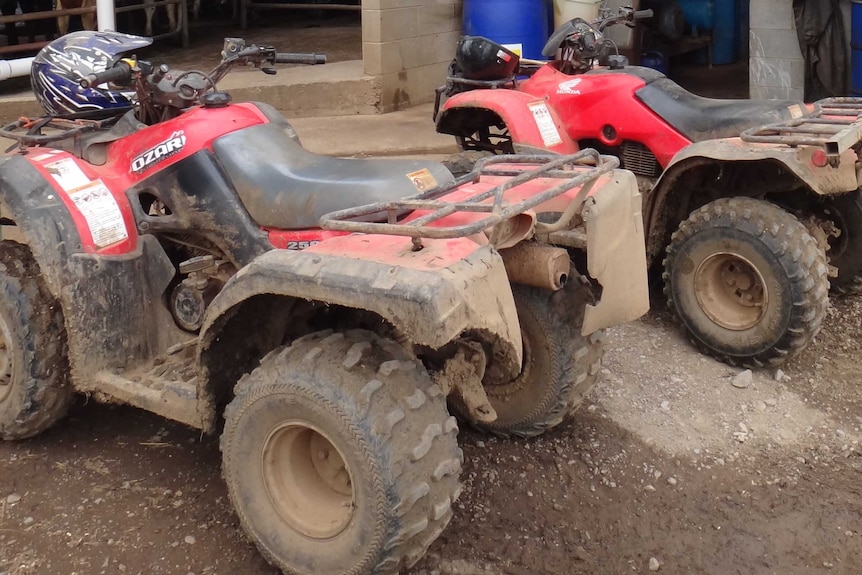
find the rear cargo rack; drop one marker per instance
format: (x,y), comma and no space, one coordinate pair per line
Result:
(580,169)
(835,125)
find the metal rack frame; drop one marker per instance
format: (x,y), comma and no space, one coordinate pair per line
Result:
(835,125)
(580,169)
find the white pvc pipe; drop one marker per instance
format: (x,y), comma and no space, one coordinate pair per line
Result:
(21,66)
(15,68)
(105,15)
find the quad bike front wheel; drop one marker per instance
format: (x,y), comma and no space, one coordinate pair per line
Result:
(34,389)
(560,365)
(340,456)
(747,280)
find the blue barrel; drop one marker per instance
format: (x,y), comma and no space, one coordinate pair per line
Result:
(724,32)
(699,14)
(656,61)
(523,22)
(856,45)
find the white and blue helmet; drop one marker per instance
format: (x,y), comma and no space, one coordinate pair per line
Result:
(59,66)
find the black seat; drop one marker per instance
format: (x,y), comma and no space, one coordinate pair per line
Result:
(700,119)
(284,186)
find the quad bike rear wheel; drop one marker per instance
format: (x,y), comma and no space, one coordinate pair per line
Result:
(340,456)
(560,366)
(747,280)
(845,251)
(34,389)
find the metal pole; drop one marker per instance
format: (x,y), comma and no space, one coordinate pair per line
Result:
(15,68)
(105,15)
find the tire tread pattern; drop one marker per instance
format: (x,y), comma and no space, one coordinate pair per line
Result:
(796,249)
(575,364)
(47,393)
(417,437)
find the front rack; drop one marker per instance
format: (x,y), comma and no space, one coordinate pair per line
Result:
(29,132)
(835,125)
(580,169)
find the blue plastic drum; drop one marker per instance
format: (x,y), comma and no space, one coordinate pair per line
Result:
(655,60)
(856,45)
(509,22)
(724,46)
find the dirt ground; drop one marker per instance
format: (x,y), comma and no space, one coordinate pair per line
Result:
(666,460)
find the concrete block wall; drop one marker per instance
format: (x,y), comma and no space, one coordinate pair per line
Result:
(776,68)
(408,45)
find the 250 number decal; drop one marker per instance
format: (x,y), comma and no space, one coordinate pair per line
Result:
(301,245)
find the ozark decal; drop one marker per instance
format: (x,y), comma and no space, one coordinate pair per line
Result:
(159,152)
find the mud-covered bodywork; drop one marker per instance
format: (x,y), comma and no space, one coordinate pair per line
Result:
(451,289)
(185,225)
(110,304)
(705,171)
(615,249)
(125,345)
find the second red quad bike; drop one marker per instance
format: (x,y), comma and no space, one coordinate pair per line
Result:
(172,258)
(749,206)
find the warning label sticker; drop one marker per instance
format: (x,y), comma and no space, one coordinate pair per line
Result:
(102,213)
(422,180)
(67,174)
(545,123)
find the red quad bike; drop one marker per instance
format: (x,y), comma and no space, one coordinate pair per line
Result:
(190,255)
(751,204)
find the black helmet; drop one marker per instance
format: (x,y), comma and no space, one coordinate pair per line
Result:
(59,66)
(482,59)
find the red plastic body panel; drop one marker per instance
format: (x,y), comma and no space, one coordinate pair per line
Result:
(45,162)
(398,250)
(587,103)
(516,109)
(583,105)
(199,126)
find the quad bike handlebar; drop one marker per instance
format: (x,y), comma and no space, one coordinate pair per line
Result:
(291,58)
(120,73)
(583,42)
(162,93)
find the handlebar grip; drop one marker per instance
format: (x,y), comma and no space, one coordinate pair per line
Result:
(290,58)
(640,14)
(120,71)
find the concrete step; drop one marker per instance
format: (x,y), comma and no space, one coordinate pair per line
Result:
(338,89)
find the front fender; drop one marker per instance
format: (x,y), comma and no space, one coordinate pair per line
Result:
(530,120)
(432,296)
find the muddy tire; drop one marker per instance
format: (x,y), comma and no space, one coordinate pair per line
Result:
(462,163)
(340,456)
(747,280)
(845,252)
(34,388)
(560,367)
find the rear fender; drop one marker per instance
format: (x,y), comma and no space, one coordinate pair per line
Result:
(822,180)
(616,252)
(432,297)
(530,120)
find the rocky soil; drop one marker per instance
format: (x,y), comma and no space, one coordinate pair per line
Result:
(676,464)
